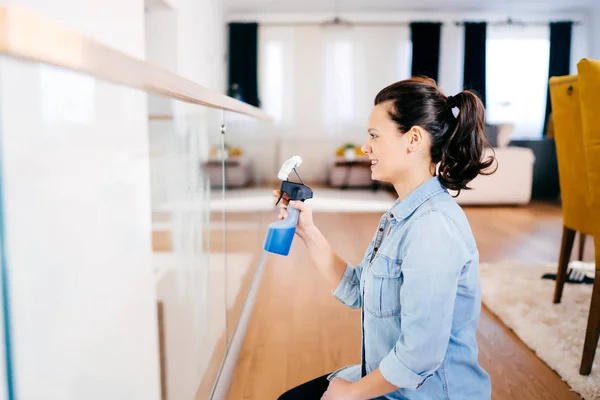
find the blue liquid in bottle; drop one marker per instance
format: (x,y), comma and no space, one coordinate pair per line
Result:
(281,233)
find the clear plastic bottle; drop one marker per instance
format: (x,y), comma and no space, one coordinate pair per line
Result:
(281,233)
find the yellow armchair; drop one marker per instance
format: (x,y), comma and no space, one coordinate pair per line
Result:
(570,153)
(589,96)
(576,120)
(589,76)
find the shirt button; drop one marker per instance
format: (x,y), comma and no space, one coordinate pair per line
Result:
(380,229)
(375,248)
(391,215)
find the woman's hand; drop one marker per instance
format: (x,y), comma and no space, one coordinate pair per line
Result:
(305,220)
(339,389)
(319,249)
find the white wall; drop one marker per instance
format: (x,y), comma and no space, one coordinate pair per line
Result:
(161,50)
(77,208)
(301,133)
(201,42)
(595,32)
(451,59)
(117,24)
(581,44)
(188,38)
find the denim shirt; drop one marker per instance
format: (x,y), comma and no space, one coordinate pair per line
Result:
(418,287)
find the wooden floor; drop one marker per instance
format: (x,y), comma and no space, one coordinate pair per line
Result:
(299,331)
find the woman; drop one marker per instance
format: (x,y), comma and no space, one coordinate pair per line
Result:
(418,284)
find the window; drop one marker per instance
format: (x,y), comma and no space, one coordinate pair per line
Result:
(404,59)
(276,68)
(339,82)
(517,78)
(273,79)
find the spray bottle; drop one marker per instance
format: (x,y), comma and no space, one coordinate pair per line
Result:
(281,233)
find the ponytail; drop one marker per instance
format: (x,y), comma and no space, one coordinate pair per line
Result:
(464,145)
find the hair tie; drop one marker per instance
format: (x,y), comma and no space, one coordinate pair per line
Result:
(452,105)
(451,101)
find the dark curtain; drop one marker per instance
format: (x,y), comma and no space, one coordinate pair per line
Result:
(425,38)
(475,56)
(560,58)
(243,62)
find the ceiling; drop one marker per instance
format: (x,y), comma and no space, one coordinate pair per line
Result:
(375,6)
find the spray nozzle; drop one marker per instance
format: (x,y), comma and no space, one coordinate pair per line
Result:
(296,191)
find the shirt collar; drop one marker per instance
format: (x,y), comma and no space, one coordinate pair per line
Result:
(403,208)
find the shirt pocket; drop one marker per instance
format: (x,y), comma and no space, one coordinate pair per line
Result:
(382,287)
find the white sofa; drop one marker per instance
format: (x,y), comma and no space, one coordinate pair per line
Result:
(511,184)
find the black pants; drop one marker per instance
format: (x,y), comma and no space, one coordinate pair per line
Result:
(311,390)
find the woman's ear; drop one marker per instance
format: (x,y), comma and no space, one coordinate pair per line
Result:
(416,136)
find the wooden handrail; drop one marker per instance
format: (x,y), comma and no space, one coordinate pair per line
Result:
(26,35)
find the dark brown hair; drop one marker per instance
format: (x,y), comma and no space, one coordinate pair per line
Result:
(458,143)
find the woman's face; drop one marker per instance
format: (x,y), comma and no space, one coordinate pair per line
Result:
(386,147)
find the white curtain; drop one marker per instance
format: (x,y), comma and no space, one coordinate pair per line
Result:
(517,77)
(321,81)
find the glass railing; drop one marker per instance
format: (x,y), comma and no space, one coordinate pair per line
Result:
(129,232)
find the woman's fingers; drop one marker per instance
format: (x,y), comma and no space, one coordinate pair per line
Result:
(282,203)
(299,205)
(283,213)
(284,199)
(276,193)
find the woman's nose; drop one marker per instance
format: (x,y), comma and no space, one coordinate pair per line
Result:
(365,149)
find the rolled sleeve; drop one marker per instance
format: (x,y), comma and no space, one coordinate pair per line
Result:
(398,374)
(348,291)
(432,263)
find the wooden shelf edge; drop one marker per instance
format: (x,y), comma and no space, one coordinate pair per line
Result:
(160,117)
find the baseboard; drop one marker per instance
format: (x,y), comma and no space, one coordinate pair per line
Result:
(221,389)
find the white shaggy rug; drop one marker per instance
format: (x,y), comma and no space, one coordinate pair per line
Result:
(555,332)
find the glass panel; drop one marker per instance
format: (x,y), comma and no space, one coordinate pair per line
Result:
(188,210)
(77,243)
(6,382)
(249,209)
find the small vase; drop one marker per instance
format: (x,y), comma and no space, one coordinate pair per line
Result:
(350,154)
(223,154)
